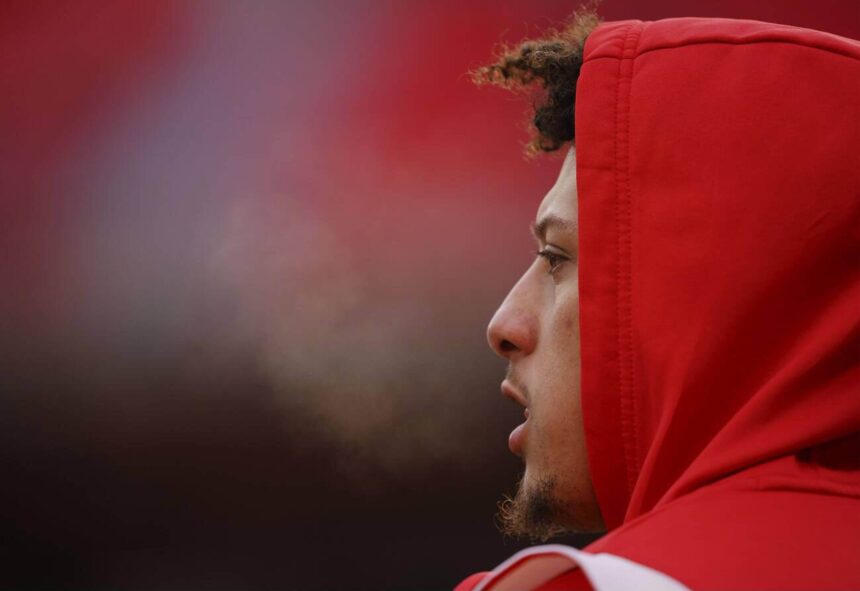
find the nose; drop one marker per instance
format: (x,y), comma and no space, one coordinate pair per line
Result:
(513,330)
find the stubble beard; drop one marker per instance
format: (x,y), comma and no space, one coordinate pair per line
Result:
(534,512)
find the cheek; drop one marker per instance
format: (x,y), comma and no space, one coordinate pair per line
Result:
(563,327)
(557,360)
(569,324)
(563,352)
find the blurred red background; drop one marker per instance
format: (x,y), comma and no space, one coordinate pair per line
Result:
(249,250)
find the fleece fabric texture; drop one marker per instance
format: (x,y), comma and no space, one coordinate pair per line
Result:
(718,166)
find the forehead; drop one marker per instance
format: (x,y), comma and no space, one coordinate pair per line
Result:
(561,199)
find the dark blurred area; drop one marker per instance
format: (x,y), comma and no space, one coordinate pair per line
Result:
(249,251)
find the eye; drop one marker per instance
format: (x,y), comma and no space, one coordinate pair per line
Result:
(554,259)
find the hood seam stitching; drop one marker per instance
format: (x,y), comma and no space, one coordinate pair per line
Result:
(623,212)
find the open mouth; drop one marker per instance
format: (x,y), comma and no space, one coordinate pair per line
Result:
(517,438)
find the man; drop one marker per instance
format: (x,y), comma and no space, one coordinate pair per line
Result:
(686,344)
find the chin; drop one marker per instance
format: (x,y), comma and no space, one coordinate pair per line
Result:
(560,505)
(540,511)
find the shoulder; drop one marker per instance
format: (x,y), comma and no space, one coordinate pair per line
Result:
(744,539)
(554,567)
(731,540)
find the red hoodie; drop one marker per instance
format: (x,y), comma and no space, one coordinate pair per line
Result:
(718,167)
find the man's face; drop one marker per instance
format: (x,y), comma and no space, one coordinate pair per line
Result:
(537,330)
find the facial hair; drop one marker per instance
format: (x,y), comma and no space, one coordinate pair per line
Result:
(533,512)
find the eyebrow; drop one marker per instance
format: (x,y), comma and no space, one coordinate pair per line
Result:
(540,228)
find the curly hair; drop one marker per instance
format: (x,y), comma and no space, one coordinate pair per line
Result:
(552,63)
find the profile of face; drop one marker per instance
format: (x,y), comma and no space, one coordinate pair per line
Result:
(537,330)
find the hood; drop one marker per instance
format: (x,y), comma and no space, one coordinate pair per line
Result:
(719,206)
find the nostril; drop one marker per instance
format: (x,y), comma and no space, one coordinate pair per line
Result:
(507,346)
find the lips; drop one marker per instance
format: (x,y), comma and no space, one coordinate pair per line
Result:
(517,438)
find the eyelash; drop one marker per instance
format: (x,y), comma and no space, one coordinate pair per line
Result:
(554,259)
